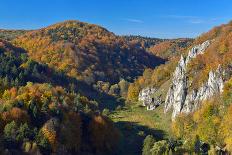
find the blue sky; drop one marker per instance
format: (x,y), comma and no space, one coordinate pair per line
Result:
(153,18)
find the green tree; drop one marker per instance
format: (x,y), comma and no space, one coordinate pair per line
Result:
(147,144)
(78,106)
(105,112)
(45,107)
(10,135)
(160,148)
(43,144)
(25,133)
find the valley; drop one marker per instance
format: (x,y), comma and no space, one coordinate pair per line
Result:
(136,122)
(77,88)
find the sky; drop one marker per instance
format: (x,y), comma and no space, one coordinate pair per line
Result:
(151,18)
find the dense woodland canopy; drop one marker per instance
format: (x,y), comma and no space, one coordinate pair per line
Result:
(145,42)
(11,34)
(220,52)
(60,85)
(170,49)
(87,52)
(38,115)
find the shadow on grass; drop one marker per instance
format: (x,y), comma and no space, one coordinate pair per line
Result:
(133,135)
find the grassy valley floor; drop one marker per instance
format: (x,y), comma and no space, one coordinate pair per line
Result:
(135,122)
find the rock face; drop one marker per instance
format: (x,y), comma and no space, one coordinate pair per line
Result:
(150,102)
(213,86)
(179,98)
(178,90)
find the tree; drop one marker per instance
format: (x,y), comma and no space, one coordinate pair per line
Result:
(226,128)
(15,114)
(25,133)
(160,147)
(183,126)
(133,92)
(71,132)
(114,90)
(49,131)
(148,144)
(17,83)
(197,145)
(104,136)
(10,135)
(77,103)
(208,120)
(19,115)
(106,112)
(123,85)
(45,107)
(34,112)
(43,144)
(227,92)
(15,135)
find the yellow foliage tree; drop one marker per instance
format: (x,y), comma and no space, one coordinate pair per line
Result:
(133,92)
(226,128)
(51,135)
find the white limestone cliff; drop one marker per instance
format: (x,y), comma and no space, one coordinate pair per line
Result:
(145,96)
(213,86)
(178,98)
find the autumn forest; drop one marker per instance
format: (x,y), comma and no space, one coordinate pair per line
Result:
(75,88)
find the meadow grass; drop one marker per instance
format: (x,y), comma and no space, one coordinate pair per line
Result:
(135,123)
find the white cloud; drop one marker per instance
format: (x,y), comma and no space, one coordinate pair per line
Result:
(196,21)
(133,20)
(191,19)
(181,17)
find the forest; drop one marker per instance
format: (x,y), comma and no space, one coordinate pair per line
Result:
(73,88)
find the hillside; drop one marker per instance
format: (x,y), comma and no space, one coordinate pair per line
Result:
(169,49)
(218,53)
(87,52)
(11,34)
(39,116)
(76,88)
(17,68)
(145,42)
(196,89)
(164,48)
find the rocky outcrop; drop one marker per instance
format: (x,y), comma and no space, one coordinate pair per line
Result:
(145,96)
(178,90)
(213,86)
(179,98)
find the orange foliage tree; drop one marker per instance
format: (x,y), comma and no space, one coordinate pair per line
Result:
(104,136)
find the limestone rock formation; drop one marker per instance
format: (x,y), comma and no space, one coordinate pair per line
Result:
(213,86)
(178,98)
(145,96)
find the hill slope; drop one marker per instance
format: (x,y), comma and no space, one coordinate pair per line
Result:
(199,91)
(11,34)
(87,51)
(43,116)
